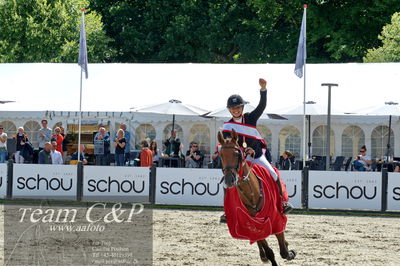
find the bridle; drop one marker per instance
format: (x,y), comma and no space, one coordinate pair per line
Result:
(239,158)
(239,170)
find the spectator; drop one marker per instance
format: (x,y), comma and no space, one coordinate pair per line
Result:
(155,151)
(102,147)
(287,161)
(65,142)
(146,156)
(3,145)
(120,143)
(57,137)
(193,157)
(215,159)
(172,149)
(74,156)
(56,157)
(172,145)
(21,140)
(363,161)
(44,134)
(128,145)
(45,154)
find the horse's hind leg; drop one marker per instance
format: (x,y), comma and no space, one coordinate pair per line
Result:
(283,246)
(266,252)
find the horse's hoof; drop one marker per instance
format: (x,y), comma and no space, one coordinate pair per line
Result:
(264,259)
(222,219)
(292,255)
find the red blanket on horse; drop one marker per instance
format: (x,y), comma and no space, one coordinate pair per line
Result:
(268,221)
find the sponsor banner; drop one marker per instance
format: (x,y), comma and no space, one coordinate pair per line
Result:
(393,196)
(292,180)
(3,180)
(189,186)
(345,190)
(44,181)
(124,184)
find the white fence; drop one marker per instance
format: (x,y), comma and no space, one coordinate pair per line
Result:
(44,181)
(203,187)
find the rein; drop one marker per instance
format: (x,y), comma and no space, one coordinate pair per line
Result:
(239,168)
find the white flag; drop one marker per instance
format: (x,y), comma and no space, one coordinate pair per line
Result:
(83,59)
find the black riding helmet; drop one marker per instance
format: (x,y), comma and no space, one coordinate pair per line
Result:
(235,100)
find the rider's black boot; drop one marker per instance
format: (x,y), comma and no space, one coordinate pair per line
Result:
(287,207)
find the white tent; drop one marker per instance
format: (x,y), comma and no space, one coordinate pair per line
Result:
(118,87)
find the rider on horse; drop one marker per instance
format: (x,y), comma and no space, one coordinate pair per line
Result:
(249,137)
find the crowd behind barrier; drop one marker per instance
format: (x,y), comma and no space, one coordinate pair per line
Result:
(307,189)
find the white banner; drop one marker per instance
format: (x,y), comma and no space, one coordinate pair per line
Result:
(292,180)
(112,183)
(345,190)
(184,186)
(3,180)
(44,181)
(393,197)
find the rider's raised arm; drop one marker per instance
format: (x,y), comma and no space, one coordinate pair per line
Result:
(256,113)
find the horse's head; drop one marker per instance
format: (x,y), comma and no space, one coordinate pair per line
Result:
(231,158)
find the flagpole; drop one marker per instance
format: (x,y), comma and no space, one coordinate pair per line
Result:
(304,92)
(80,120)
(82,62)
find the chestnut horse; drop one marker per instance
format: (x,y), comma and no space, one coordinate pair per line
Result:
(238,173)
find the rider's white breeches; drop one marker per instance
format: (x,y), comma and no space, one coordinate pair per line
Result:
(264,162)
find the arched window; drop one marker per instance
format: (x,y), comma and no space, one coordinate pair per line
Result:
(290,139)
(379,140)
(167,132)
(266,133)
(200,133)
(319,141)
(9,128)
(353,138)
(144,131)
(32,131)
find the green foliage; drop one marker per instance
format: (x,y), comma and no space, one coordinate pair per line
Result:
(390,49)
(199,31)
(48,31)
(342,30)
(249,31)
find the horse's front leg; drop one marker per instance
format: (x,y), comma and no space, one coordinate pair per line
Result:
(283,247)
(266,253)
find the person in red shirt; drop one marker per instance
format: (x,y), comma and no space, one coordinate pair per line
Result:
(57,137)
(146,155)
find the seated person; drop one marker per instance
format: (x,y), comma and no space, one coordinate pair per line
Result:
(193,157)
(363,161)
(216,160)
(74,156)
(45,154)
(397,168)
(287,162)
(172,149)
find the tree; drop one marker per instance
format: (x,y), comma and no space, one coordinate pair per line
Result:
(48,31)
(390,49)
(189,31)
(342,30)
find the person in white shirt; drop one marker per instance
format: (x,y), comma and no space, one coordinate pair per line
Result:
(3,145)
(56,157)
(363,162)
